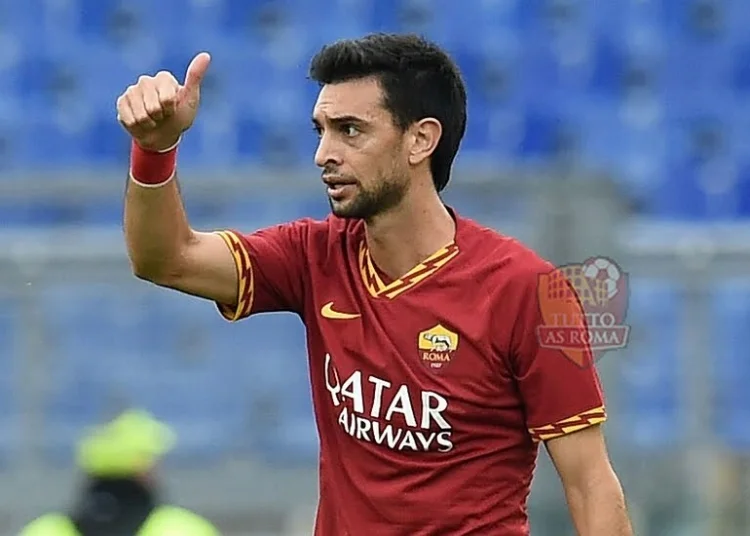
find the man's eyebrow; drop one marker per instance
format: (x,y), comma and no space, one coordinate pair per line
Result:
(341,119)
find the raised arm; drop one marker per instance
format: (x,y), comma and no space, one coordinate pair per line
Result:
(162,247)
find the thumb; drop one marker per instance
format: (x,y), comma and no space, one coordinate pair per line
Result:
(196,71)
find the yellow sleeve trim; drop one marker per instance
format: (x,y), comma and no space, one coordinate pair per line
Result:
(569,425)
(246,283)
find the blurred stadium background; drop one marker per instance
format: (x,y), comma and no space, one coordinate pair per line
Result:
(609,127)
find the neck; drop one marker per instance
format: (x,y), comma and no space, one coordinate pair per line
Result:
(113,506)
(408,234)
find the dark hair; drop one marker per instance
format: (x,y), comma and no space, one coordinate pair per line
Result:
(418,80)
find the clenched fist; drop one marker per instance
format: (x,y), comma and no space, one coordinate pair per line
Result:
(158,109)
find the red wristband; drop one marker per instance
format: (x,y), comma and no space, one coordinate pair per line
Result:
(151,168)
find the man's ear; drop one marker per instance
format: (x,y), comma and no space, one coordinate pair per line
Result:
(425,136)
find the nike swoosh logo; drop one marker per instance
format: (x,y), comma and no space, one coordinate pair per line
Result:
(328,312)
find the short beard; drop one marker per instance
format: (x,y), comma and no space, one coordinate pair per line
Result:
(368,204)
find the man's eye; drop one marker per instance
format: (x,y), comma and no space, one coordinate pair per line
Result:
(350,130)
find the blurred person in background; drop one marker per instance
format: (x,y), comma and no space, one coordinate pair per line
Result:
(431,389)
(120,495)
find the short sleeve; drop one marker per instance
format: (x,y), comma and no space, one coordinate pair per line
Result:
(271,267)
(553,365)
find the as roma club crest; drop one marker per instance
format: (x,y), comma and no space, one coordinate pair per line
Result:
(583,307)
(437,347)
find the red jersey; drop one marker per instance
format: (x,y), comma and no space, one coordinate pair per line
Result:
(431,392)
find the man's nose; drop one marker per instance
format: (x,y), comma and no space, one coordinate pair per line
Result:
(327,154)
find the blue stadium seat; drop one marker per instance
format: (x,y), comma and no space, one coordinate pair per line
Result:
(203,407)
(743,194)
(15,134)
(280,393)
(12,13)
(91,319)
(547,134)
(248,215)
(486,209)
(741,68)
(408,16)
(107,143)
(120,21)
(90,343)
(149,349)
(608,68)
(546,78)
(257,212)
(701,175)
(446,22)
(648,390)
(631,143)
(75,404)
(731,338)
(696,193)
(269,351)
(117,349)
(30,213)
(698,20)
(264,346)
(293,437)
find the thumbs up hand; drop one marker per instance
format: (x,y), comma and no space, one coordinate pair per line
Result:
(158,109)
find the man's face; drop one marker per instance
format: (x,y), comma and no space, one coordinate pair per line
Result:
(361,151)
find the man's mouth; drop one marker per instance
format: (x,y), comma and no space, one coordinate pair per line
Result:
(339,186)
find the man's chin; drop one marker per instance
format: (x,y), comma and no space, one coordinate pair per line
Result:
(345,208)
(341,210)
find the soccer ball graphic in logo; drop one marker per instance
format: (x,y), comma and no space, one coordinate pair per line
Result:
(583,308)
(605,275)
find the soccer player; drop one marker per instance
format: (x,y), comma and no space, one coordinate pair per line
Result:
(431,390)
